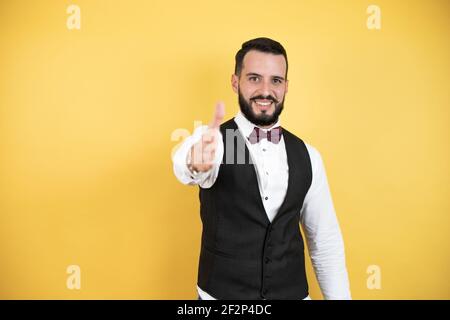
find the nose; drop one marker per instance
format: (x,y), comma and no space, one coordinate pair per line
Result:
(266,88)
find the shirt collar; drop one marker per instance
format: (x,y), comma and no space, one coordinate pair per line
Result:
(247,127)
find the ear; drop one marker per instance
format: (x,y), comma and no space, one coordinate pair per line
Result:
(235,83)
(287,87)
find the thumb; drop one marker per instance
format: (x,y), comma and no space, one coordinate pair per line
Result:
(218,115)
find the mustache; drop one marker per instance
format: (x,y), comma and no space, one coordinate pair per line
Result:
(269,97)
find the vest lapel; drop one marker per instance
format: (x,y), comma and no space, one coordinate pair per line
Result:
(252,171)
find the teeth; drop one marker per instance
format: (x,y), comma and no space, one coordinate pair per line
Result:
(264,103)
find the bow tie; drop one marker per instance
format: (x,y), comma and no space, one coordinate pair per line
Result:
(273,135)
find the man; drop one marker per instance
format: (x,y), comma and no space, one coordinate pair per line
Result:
(257,182)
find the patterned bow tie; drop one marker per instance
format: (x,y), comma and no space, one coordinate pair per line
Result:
(273,135)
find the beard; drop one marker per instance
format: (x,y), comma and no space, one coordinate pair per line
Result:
(262,119)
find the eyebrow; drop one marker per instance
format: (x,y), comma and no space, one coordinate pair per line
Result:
(258,75)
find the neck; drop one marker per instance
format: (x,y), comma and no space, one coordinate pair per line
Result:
(266,127)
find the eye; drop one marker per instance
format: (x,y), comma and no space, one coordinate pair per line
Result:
(277,81)
(253,78)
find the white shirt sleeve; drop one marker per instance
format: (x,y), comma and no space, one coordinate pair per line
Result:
(183,174)
(323,234)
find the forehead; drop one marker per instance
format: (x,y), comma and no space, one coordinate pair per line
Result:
(264,63)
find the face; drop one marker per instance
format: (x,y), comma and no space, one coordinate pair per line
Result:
(261,87)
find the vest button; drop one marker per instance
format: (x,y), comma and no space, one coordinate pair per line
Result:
(268,260)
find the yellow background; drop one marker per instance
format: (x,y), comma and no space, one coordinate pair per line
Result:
(86,118)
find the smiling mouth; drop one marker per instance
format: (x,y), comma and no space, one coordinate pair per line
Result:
(263,104)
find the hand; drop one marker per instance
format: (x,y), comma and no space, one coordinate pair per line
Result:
(204,151)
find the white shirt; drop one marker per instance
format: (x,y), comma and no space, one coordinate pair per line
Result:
(317,216)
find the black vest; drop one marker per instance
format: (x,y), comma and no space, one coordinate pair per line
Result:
(244,255)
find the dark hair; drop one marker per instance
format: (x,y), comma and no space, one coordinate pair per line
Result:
(259,44)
